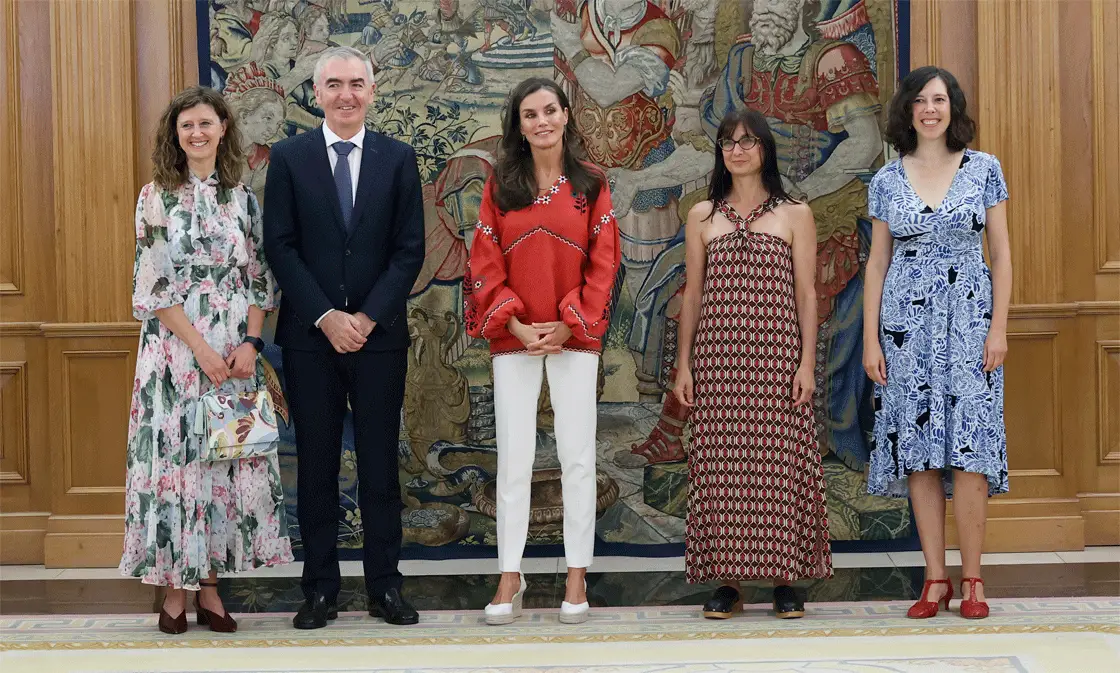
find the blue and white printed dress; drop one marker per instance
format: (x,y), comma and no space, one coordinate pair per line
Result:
(939,410)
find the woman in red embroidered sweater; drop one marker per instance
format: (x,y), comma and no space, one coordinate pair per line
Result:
(538,287)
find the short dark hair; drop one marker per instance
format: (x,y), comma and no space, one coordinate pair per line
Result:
(900,117)
(515,182)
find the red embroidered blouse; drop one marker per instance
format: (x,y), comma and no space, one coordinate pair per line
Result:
(554,260)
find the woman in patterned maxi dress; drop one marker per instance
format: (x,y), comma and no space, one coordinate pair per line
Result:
(935,320)
(756,506)
(201,287)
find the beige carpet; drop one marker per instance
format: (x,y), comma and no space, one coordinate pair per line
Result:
(1021,636)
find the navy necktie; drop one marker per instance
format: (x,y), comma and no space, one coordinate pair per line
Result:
(342,181)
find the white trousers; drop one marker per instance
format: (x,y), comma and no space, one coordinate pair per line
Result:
(572,378)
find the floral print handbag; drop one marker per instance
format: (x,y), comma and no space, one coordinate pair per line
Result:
(228,425)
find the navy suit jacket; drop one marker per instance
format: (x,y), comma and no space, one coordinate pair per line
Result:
(320,266)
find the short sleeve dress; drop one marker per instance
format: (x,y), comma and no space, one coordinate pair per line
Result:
(939,410)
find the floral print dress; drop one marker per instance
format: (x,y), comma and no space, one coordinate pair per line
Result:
(939,410)
(199,246)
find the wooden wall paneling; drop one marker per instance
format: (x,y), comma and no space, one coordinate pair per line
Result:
(1096,187)
(1099,485)
(95,175)
(130,57)
(21,537)
(11,225)
(1027,524)
(92,368)
(1076,92)
(92,371)
(1032,393)
(944,34)
(1108,401)
(24,444)
(1106,134)
(27,288)
(1018,106)
(1042,511)
(1023,82)
(15,423)
(26,190)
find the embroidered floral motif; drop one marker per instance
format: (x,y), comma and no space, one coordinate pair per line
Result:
(487,231)
(605,219)
(546,198)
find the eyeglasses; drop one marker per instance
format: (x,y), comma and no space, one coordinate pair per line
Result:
(746,142)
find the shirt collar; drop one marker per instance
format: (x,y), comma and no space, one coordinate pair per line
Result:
(331,137)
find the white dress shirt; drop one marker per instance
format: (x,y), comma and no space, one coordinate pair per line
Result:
(355,159)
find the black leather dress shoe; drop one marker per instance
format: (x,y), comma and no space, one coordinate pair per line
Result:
(723,603)
(393,608)
(787,605)
(315,612)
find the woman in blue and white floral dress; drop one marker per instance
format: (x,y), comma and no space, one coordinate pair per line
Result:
(935,319)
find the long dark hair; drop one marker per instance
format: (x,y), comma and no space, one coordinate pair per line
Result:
(169,162)
(755,124)
(900,118)
(515,181)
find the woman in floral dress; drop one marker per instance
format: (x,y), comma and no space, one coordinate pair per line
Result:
(935,328)
(201,287)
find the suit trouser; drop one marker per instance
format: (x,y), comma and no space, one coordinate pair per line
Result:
(572,379)
(319,385)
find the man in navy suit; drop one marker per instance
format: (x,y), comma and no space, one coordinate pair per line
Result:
(344,234)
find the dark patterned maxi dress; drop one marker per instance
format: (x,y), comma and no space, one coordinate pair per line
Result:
(756,506)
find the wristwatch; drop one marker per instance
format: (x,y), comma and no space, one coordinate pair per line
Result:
(257,342)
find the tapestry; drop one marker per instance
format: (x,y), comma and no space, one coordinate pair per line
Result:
(821,71)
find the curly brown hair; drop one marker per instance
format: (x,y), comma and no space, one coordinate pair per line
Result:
(169,162)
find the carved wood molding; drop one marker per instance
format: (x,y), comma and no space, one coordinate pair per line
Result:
(1106,134)
(15,431)
(89,330)
(11,187)
(1108,415)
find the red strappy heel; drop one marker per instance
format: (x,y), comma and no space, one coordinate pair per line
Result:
(924,609)
(970,607)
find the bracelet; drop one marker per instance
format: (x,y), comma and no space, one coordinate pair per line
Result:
(256,342)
